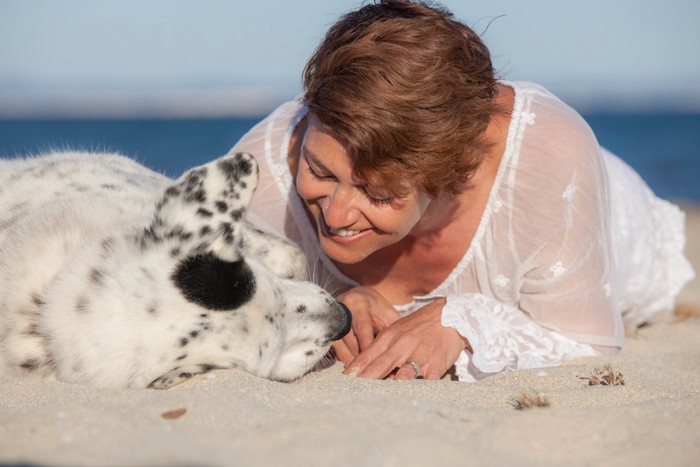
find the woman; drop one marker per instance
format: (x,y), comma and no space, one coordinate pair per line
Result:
(463,220)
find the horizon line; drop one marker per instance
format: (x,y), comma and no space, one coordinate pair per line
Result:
(257,102)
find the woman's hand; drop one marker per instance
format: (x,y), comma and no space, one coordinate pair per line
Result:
(371,313)
(419,338)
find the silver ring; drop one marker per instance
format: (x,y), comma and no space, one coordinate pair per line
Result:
(416,369)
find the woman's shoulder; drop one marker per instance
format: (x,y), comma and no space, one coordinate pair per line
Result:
(550,124)
(554,151)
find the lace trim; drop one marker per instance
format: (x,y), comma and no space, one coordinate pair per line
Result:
(503,338)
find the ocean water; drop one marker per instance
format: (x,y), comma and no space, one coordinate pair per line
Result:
(663,148)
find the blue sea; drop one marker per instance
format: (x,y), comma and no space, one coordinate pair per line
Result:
(663,148)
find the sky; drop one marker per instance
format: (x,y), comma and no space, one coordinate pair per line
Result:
(215,57)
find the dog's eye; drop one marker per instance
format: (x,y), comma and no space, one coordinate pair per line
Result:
(214,283)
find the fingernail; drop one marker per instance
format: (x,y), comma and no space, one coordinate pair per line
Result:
(353,371)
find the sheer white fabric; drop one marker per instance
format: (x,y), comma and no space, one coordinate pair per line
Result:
(571,241)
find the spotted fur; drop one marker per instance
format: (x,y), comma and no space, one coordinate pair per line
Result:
(115,276)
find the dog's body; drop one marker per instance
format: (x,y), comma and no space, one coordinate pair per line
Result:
(115,276)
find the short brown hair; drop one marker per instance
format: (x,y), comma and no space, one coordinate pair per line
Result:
(410,90)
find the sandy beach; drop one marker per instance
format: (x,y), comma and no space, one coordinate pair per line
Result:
(231,418)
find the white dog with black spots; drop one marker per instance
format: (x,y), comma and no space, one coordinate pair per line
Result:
(115,276)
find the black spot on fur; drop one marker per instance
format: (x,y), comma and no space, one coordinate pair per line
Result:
(204,212)
(198,196)
(309,353)
(301,309)
(31,365)
(79,188)
(181,357)
(82,305)
(236,168)
(227,232)
(221,206)
(225,347)
(171,192)
(96,276)
(37,300)
(178,233)
(149,236)
(237,214)
(32,330)
(205,230)
(184,341)
(214,283)
(194,334)
(107,246)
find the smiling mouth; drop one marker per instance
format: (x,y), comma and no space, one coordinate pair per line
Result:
(343,232)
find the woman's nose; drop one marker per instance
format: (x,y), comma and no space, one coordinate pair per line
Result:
(339,209)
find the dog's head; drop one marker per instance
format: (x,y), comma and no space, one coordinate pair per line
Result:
(244,283)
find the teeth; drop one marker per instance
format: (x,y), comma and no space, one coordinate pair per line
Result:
(343,232)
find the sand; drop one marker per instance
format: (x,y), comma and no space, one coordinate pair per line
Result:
(326,418)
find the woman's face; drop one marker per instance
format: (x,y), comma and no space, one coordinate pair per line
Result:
(353,219)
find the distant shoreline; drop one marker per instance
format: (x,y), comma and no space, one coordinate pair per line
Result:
(222,102)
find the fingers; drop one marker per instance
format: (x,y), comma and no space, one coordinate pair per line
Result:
(343,352)
(385,366)
(365,335)
(406,372)
(381,342)
(367,366)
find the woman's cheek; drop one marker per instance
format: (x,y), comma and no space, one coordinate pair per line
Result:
(306,187)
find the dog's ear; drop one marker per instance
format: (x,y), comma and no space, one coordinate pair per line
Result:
(205,208)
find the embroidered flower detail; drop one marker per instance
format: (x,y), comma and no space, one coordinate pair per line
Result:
(569,193)
(557,269)
(277,170)
(608,289)
(502,281)
(529,117)
(497,205)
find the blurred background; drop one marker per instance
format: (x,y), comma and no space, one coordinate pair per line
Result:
(175,83)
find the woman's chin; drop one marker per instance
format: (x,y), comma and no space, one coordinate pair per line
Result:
(340,253)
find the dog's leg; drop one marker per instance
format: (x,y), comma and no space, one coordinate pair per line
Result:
(180,375)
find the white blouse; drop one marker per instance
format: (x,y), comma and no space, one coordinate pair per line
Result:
(571,243)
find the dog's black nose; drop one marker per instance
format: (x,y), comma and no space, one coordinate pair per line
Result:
(344,322)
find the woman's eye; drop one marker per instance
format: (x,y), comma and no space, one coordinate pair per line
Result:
(318,176)
(377,200)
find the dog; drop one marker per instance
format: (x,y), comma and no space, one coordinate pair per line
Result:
(113,275)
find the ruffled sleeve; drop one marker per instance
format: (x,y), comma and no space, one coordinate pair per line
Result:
(502,338)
